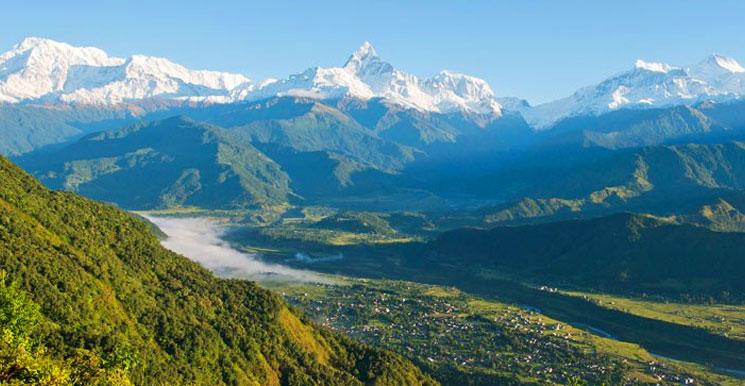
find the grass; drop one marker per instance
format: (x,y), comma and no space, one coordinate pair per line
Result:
(303,336)
(722,319)
(349,238)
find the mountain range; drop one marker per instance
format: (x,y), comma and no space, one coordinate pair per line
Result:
(43,70)
(649,84)
(39,70)
(85,121)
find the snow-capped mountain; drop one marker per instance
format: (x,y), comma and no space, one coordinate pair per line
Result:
(648,84)
(43,69)
(366,76)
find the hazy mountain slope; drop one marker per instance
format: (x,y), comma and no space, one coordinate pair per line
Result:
(24,128)
(305,125)
(323,128)
(665,180)
(634,128)
(625,252)
(174,162)
(109,294)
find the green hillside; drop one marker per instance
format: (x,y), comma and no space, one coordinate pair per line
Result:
(90,297)
(627,128)
(173,162)
(664,180)
(28,127)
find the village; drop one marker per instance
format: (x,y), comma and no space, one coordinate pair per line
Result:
(453,333)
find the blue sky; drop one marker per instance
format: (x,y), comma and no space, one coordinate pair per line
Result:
(539,50)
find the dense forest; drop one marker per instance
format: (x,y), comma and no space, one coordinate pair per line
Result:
(623,253)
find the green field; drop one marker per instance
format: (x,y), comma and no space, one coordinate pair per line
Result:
(722,319)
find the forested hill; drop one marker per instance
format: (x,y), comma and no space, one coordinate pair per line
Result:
(90,297)
(621,252)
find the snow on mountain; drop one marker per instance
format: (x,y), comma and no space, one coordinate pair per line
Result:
(365,75)
(724,74)
(43,69)
(648,84)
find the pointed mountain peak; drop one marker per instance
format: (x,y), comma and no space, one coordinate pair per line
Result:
(653,66)
(366,50)
(725,63)
(365,57)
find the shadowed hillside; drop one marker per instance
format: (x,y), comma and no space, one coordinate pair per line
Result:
(623,252)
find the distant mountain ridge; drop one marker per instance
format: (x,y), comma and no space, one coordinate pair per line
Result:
(648,84)
(39,70)
(173,162)
(365,75)
(304,149)
(43,70)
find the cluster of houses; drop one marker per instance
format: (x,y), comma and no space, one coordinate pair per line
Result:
(446,330)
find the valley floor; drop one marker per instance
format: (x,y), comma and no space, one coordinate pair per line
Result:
(466,340)
(492,330)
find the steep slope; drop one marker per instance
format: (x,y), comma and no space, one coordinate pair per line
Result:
(173,162)
(115,307)
(323,128)
(623,252)
(28,127)
(634,128)
(320,147)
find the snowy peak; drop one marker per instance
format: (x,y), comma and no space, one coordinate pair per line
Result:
(366,64)
(462,85)
(716,68)
(365,75)
(47,51)
(649,84)
(154,67)
(38,69)
(653,66)
(43,69)
(362,57)
(722,63)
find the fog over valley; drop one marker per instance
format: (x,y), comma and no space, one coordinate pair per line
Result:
(199,240)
